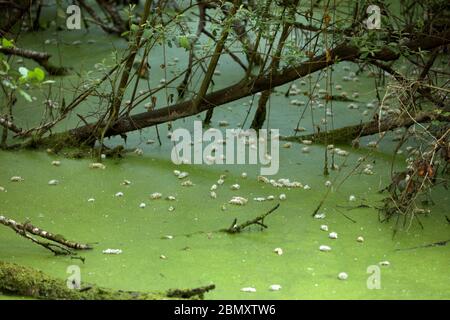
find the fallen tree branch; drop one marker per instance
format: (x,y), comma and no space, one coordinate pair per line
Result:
(347,134)
(42,58)
(61,246)
(25,281)
(343,52)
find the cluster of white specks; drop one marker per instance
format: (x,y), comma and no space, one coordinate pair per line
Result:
(240,201)
(368,169)
(324,248)
(278,251)
(223,123)
(187,183)
(281,183)
(213,195)
(156,195)
(235,187)
(296,102)
(53,182)
(112,251)
(342,276)
(320,215)
(183,175)
(275,287)
(126,182)
(97,165)
(333,235)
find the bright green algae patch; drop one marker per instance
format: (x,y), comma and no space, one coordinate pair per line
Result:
(229,261)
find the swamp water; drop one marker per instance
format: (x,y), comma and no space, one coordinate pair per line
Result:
(231,262)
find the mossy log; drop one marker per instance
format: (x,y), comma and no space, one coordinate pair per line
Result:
(25,281)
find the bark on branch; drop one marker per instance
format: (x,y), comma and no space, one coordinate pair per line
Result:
(42,58)
(60,246)
(343,52)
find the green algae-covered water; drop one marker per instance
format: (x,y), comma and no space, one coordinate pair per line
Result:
(196,255)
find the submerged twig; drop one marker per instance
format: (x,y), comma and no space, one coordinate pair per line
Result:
(259,220)
(429,245)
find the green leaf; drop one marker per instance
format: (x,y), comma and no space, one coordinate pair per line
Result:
(7,43)
(183,41)
(39,74)
(25,95)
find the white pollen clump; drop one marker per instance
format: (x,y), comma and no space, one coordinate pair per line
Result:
(155,195)
(112,251)
(320,215)
(97,165)
(183,175)
(278,251)
(240,201)
(342,276)
(333,235)
(275,287)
